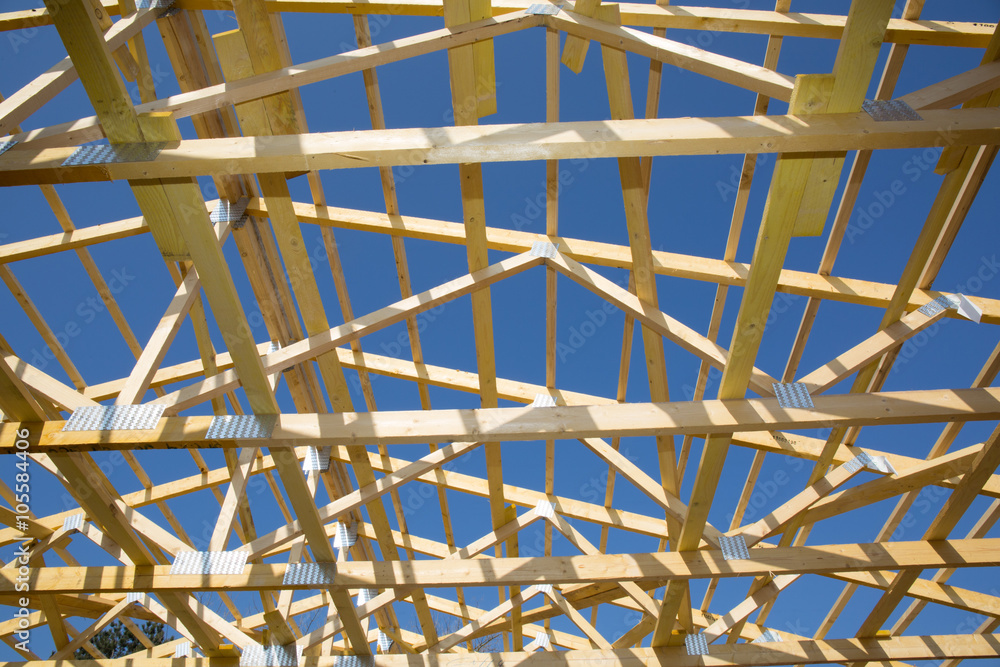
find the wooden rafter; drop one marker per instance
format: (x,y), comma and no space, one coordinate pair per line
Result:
(321,376)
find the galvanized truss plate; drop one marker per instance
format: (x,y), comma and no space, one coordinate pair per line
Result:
(257,655)
(767,636)
(135,597)
(6,145)
(545,509)
(353,661)
(317,458)
(273,347)
(108,153)
(932,308)
(366,595)
(959,302)
(115,418)
(543,249)
(543,8)
(345,536)
(544,588)
(166,5)
(182,650)
(241,427)
(696,644)
(74,522)
(543,640)
(734,548)
(543,401)
(887,110)
(231,212)
(209,562)
(792,395)
(298,574)
(384,642)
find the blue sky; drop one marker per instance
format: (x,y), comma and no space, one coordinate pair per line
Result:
(689,212)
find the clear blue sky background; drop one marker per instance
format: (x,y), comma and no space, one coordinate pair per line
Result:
(689,212)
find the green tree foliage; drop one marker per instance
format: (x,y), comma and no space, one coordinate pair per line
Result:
(115,641)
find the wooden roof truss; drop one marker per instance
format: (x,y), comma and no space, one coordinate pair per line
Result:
(241,86)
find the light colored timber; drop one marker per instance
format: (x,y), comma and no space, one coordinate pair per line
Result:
(852,72)
(208,97)
(656,320)
(496,424)
(891,337)
(776,229)
(607,254)
(957,89)
(29,99)
(581,27)
(78,238)
(244,97)
(915,647)
(25,165)
(821,26)
(660,567)
(316,345)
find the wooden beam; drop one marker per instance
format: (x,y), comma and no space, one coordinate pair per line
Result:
(159,343)
(725,272)
(913,647)
(671,52)
(889,338)
(78,238)
(957,89)
(852,72)
(26,164)
(656,320)
(982,468)
(779,23)
(497,424)
(776,228)
(30,98)
(207,98)
(652,567)
(315,346)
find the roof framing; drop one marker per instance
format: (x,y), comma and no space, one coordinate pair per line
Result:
(242,92)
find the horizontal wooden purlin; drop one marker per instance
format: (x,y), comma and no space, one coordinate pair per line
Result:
(817,651)
(820,26)
(836,288)
(526,571)
(528,423)
(26,165)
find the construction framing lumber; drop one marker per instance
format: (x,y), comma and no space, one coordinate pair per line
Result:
(370,263)
(502,143)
